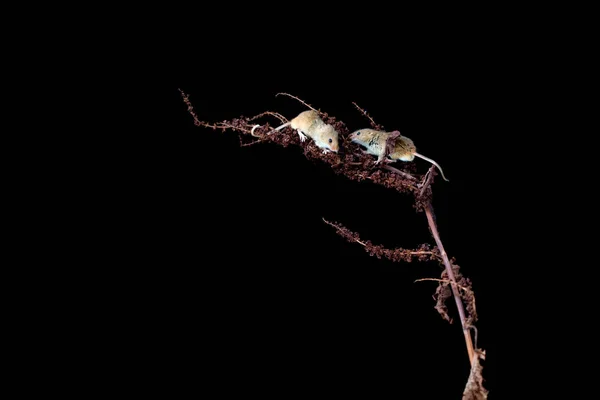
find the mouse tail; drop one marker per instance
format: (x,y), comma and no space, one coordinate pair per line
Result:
(280,127)
(434,163)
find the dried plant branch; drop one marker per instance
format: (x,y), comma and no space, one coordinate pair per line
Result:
(445,281)
(251,143)
(442,293)
(396,255)
(359,167)
(186,99)
(468,297)
(344,164)
(466,289)
(397,171)
(450,272)
(274,114)
(474,328)
(428,177)
(374,125)
(220,125)
(301,101)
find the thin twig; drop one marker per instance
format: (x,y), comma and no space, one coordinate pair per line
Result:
(397,171)
(466,289)
(428,181)
(476,331)
(251,143)
(373,123)
(294,97)
(346,233)
(450,272)
(186,99)
(338,228)
(274,114)
(197,122)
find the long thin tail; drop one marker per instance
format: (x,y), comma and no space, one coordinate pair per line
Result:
(280,127)
(434,163)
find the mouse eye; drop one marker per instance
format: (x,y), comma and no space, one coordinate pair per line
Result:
(330,140)
(357,133)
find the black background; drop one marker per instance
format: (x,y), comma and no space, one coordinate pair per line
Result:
(183,262)
(235,277)
(247,274)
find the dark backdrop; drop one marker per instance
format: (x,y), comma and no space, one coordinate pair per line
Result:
(246,282)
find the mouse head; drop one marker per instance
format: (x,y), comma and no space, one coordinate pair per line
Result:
(363,136)
(331,138)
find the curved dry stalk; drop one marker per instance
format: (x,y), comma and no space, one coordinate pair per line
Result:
(197,122)
(294,97)
(467,290)
(274,114)
(450,272)
(374,125)
(396,255)
(446,281)
(397,171)
(429,175)
(186,100)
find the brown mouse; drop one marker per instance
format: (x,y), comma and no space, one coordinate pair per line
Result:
(308,123)
(402,148)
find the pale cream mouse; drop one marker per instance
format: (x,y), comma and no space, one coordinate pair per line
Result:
(308,123)
(376,141)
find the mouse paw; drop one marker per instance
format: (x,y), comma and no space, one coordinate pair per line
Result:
(383,160)
(302,136)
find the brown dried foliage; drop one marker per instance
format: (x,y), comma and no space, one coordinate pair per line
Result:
(443,293)
(466,294)
(423,253)
(351,163)
(474,389)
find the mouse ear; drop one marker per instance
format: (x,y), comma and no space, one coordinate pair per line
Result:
(394,135)
(390,142)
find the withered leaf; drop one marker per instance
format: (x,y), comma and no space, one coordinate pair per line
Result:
(474,389)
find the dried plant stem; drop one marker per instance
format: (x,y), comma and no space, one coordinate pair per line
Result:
(450,272)
(374,125)
(294,97)
(197,122)
(445,281)
(397,171)
(186,99)
(431,253)
(427,181)
(274,114)
(395,255)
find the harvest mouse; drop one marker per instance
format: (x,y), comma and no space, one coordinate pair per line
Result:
(308,123)
(402,148)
